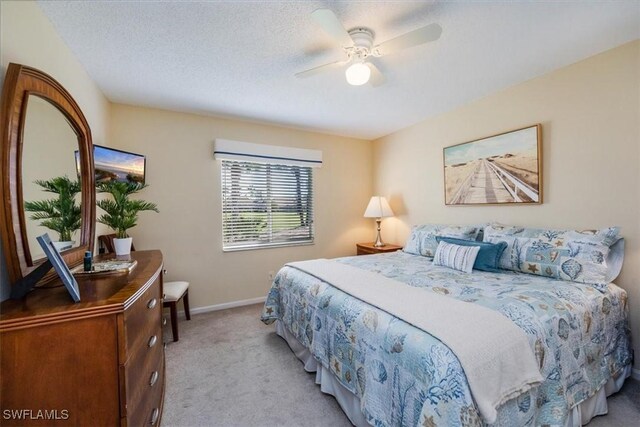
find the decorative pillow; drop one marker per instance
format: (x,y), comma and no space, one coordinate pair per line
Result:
(576,256)
(422,240)
(458,257)
(614,260)
(489,256)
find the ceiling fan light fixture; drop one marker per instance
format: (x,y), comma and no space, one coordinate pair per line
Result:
(358,74)
(358,46)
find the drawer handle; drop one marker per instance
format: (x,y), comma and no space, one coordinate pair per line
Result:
(152,303)
(152,341)
(154,416)
(154,378)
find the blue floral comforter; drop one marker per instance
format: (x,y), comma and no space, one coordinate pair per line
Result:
(406,377)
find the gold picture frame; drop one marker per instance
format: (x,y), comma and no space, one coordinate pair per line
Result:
(501,169)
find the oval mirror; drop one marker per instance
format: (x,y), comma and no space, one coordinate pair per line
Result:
(48,184)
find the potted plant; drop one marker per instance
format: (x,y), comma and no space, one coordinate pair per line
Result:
(61,214)
(121,212)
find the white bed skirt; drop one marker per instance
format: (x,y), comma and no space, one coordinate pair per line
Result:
(350,403)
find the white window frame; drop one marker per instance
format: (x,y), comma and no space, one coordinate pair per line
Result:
(270,243)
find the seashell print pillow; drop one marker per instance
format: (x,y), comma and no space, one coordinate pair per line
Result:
(571,255)
(422,240)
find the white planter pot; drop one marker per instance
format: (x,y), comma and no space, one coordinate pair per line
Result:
(64,245)
(122,246)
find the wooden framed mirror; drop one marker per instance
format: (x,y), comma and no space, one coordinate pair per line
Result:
(45,136)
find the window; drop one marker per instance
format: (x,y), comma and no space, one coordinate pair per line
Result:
(266,205)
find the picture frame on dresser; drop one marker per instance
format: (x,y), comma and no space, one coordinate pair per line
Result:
(60,266)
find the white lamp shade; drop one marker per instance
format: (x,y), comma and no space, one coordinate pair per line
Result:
(378,208)
(358,74)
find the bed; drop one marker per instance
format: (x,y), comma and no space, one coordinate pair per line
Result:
(386,372)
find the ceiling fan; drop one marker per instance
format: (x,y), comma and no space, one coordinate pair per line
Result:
(358,46)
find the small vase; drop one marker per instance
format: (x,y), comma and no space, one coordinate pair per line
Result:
(122,246)
(63,245)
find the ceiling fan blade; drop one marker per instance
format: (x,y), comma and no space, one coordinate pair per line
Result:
(377,78)
(413,38)
(319,69)
(332,26)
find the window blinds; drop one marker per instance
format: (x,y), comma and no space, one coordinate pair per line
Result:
(265,204)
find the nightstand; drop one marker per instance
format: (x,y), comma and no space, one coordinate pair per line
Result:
(368,248)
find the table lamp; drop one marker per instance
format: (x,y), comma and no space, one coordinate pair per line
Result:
(378,208)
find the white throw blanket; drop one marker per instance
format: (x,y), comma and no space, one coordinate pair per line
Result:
(495,354)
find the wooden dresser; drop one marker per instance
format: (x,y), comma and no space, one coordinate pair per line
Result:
(99,362)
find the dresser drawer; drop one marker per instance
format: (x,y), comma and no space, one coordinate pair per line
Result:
(143,370)
(143,318)
(148,410)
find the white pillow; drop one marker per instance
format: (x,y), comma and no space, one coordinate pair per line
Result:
(458,257)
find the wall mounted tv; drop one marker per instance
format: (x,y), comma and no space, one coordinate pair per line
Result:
(116,165)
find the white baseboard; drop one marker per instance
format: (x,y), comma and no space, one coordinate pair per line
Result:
(224,306)
(635,374)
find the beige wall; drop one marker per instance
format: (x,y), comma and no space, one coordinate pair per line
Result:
(590,115)
(49,143)
(27,37)
(185,183)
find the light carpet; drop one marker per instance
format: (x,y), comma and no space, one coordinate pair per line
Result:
(229,369)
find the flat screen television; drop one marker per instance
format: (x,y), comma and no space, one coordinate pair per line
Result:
(116,165)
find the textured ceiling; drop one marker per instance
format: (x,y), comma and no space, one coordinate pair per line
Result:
(237,59)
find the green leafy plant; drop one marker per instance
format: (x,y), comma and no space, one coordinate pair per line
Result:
(62,214)
(121,213)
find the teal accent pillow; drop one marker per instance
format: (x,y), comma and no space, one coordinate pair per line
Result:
(488,258)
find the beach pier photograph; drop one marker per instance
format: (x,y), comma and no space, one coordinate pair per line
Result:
(500,169)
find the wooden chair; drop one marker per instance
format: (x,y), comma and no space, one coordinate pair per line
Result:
(173,291)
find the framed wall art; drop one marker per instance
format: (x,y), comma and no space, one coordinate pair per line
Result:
(496,170)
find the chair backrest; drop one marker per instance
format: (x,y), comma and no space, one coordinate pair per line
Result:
(106,241)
